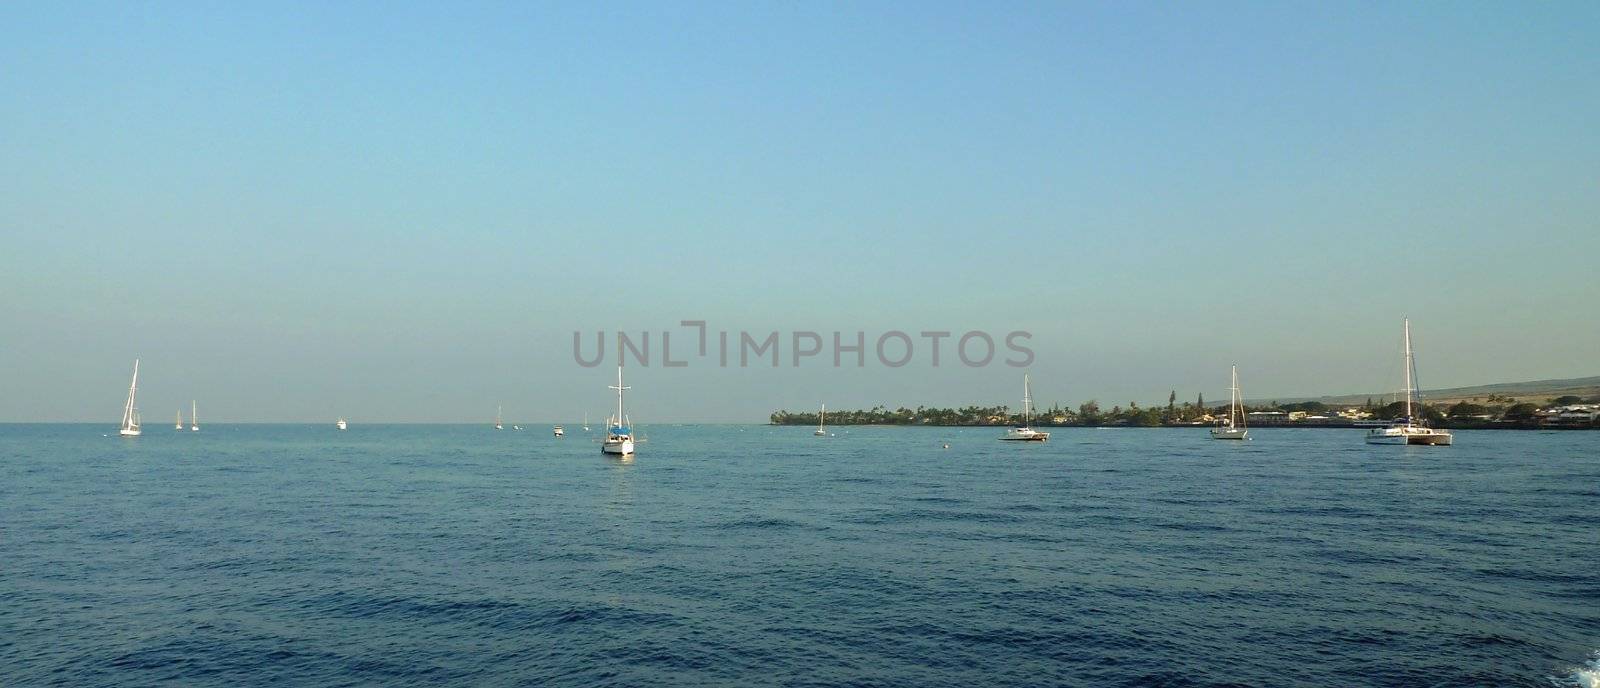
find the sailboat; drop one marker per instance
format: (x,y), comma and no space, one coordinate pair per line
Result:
(585,421)
(179,425)
(1409,430)
(1234,427)
(497,424)
(130,412)
(1025,432)
(342,425)
(619,437)
(822,419)
(194,416)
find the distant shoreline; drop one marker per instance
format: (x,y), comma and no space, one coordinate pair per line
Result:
(1187,426)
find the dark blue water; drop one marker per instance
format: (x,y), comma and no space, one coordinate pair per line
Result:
(424,555)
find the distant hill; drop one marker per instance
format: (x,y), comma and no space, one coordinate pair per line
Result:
(1535,391)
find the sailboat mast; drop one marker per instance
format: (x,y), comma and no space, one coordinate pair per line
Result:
(194,412)
(1409,390)
(1239,393)
(127,409)
(1027,402)
(822,418)
(1233,404)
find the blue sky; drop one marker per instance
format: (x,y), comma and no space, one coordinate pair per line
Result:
(402,212)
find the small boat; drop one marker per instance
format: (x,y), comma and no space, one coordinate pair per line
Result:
(619,436)
(179,425)
(194,416)
(516,427)
(497,424)
(585,421)
(560,432)
(342,425)
(1234,427)
(1408,429)
(130,412)
(1025,432)
(822,418)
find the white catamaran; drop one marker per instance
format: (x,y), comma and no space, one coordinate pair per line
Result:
(822,420)
(1409,430)
(619,436)
(1233,428)
(130,412)
(1025,432)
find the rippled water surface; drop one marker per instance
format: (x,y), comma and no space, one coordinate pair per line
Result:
(420,555)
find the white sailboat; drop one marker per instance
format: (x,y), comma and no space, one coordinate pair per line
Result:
(497,424)
(585,421)
(194,416)
(342,425)
(1234,428)
(1409,430)
(822,420)
(179,425)
(130,412)
(1025,432)
(619,436)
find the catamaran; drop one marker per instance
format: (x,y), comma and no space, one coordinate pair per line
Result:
(1234,427)
(822,419)
(130,412)
(1025,432)
(194,416)
(1409,430)
(619,437)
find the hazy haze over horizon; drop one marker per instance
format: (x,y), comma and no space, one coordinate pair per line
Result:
(403,213)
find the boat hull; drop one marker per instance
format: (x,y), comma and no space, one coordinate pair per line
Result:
(1229,434)
(1411,436)
(617,447)
(1036,437)
(129,433)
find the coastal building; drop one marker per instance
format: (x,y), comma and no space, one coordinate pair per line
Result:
(1574,415)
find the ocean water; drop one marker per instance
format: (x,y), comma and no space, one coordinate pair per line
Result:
(756,555)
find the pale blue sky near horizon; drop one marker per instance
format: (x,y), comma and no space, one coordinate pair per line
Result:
(402,211)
